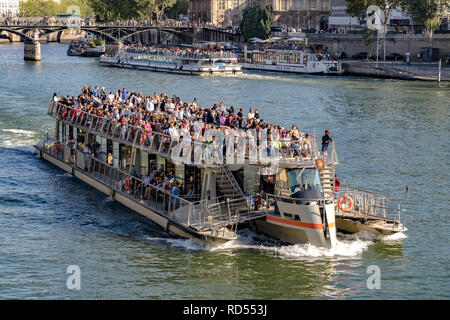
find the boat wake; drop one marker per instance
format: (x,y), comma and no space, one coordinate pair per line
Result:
(348,245)
(12,138)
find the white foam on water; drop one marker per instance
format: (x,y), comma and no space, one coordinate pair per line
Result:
(27,133)
(394,237)
(65,175)
(189,244)
(250,240)
(366,235)
(17,138)
(344,248)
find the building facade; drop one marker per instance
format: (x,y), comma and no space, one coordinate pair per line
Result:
(297,15)
(292,14)
(222,13)
(9,8)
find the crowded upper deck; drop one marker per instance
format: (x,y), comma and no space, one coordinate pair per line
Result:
(186,53)
(138,118)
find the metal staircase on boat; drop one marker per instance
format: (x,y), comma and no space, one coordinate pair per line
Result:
(328,180)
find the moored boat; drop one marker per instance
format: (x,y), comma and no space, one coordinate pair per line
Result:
(289,55)
(175,60)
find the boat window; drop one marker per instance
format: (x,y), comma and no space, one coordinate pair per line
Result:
(305,179)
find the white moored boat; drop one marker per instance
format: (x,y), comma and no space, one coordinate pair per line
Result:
(292,56)
(175,60)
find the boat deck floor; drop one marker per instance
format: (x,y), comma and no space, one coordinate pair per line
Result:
(361,216)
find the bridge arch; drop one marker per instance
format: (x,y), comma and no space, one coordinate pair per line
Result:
(178,34)
(101,33)
(24,35)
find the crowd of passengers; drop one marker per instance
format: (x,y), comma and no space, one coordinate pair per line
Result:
(195,53)
(144,115)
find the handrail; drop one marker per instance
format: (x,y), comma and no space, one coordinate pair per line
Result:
(79,117)
(360,189)
(195,215)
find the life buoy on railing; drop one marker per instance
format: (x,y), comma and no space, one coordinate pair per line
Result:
(319,164)
(345,203)
(57,147)
(127,183)
(142,139)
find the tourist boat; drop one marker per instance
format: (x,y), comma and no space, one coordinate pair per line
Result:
(287,197)
(291,56)
(83,48)
(175,61)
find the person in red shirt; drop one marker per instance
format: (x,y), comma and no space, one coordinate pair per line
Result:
(337,183)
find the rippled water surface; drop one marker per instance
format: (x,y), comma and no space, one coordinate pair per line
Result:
(389,134)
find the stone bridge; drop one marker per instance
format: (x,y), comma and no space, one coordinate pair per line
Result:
(115,35)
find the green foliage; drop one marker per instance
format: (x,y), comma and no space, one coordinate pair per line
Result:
(179,8)
(85,9)
(358,8)
(367,36)
(428,13)
(46,8)
(98,42)
(38,8)
(256,22)
(111,10)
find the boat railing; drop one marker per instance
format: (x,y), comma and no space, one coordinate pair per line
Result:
(183,55)
(358,201)
(155,142)
(197,215)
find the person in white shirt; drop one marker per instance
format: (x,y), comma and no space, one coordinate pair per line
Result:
(250,114)
(110,98)
(170,106)
(149,105)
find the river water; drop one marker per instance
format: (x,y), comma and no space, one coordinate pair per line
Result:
(388,134)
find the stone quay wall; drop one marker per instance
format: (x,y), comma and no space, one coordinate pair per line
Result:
(398,43)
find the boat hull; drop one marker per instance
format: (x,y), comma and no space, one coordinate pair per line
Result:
(287,69)
(170,70)
(308,227)
(170,226)
(352,226)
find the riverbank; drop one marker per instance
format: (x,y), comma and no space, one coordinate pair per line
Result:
(397,70)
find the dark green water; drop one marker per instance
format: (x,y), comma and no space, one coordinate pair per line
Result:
(388,134)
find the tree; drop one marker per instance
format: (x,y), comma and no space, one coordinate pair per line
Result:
(144,9)
(111,10)
(358,8)
(256,21)
(160,6)
(38,8)
(179,8)
(83,5)
(367,36)
(428,13)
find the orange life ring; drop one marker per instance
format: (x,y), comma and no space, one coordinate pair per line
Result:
(57,147)
(127,183)
(345,199)
(142,139)
(319,164)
